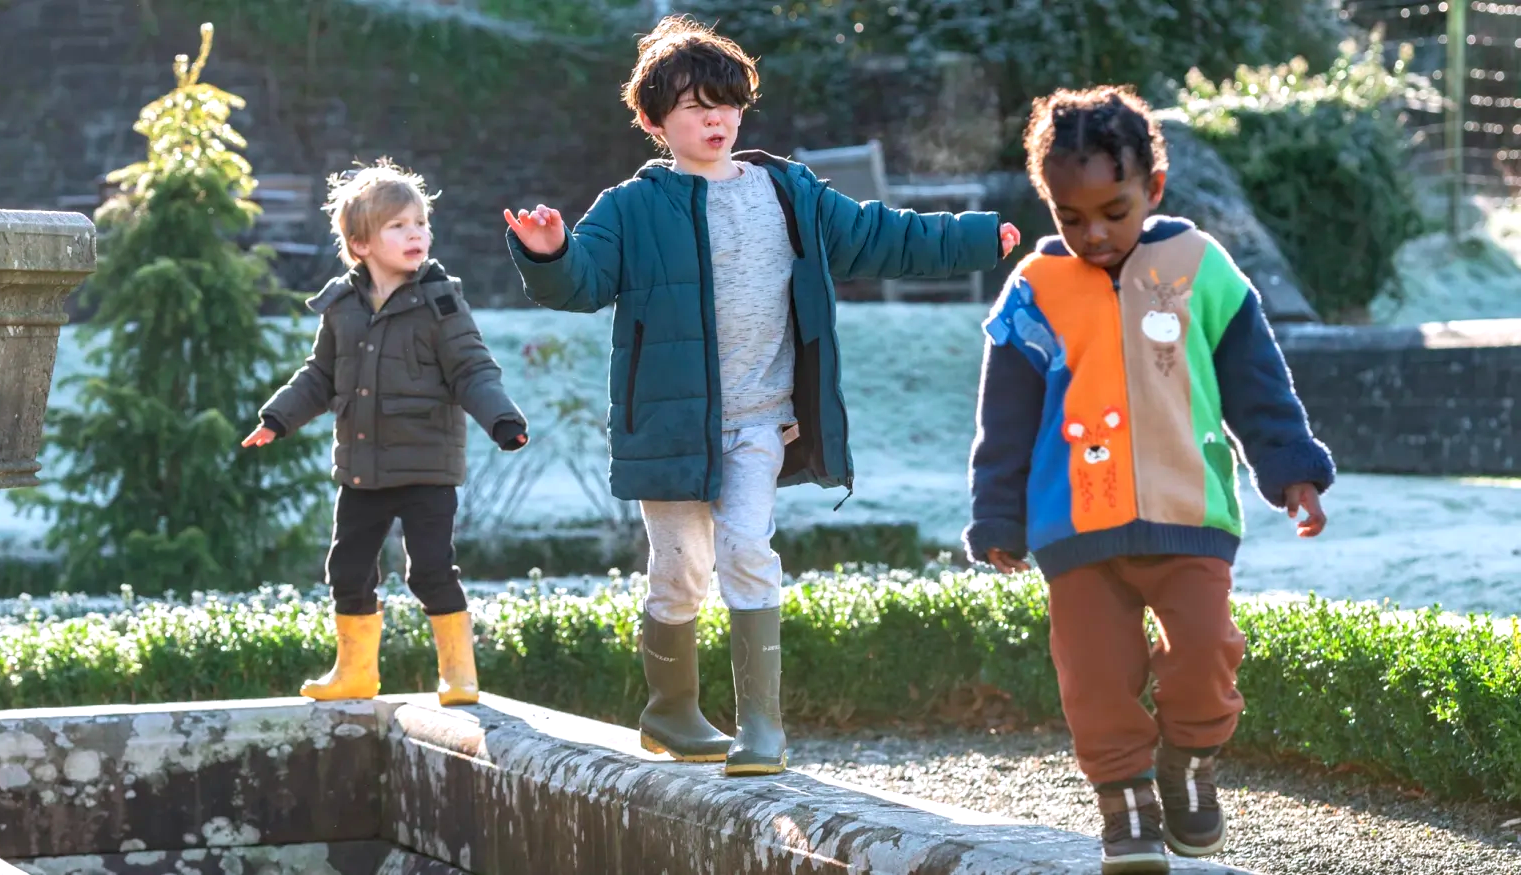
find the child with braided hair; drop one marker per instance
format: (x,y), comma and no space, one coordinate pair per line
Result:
(1116,358)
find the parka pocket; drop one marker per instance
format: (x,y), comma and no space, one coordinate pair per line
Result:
(414,366)
(411,406)
(412,421)
(633,376)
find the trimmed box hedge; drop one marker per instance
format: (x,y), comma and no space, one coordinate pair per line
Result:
(1424,698)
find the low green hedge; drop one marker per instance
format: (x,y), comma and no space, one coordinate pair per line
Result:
(1423,699)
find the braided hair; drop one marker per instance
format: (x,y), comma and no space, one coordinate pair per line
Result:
(1109,120)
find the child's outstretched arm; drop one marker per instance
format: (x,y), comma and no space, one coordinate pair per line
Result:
(1289,466)
(579,271)
(304,398)
(874,240)
(1010,399)
(473,376)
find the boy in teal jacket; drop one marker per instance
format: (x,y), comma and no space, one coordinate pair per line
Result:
(725,373)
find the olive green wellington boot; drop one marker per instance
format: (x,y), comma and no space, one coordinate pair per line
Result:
(671,722)
(760,745)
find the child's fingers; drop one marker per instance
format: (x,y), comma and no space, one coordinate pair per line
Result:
(1315,517)
(512,221)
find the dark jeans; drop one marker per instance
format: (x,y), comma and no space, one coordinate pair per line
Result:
(361,522)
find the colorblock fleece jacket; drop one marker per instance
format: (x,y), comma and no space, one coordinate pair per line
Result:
(1104,404)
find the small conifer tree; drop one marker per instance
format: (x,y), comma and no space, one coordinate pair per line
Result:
(155,491)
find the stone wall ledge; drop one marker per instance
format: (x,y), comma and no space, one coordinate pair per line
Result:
(502,787)
(507,787)
(1471,333)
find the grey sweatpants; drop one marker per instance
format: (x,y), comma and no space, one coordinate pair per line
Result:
(688,538)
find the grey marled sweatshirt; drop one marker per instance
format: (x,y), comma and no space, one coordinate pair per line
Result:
(752,271)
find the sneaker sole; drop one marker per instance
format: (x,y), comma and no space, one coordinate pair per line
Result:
(1186,850)
(649,743)
(1137,864)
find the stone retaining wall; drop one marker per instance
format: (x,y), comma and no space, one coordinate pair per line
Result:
(399,786)
(1431,399)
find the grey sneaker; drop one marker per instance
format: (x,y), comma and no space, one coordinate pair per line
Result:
(1133,843)
(1194,823)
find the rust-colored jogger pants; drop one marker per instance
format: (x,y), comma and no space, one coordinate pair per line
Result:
(1103,659)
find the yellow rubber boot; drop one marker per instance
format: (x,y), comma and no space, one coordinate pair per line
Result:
(454,636)
(356,673)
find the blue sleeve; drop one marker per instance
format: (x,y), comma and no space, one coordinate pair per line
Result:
(870,239)
(584,275)
(1009,403)
(1261,409)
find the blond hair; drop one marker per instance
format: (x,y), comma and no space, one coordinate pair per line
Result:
(362,201)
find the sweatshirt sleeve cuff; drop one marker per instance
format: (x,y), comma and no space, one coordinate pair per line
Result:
(994,533)
(536,258)
(1304,461)
(275,425)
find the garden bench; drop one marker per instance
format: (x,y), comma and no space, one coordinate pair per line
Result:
(860,172)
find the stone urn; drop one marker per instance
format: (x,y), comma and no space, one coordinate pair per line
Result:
(43,257)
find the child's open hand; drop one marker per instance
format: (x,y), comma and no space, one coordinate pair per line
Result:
(541,231)
(1005,562)
(260,437)
(1305,495)
(1008,235)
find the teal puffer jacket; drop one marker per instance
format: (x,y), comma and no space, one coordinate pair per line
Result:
(643,247)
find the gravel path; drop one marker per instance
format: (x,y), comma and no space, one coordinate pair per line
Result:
(1285,820)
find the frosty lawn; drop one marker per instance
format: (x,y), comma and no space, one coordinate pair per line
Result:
(911,381)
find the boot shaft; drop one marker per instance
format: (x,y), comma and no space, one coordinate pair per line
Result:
(454,636)
(356,670)
(670,659)
(756,649)
(672,722)
(760,744)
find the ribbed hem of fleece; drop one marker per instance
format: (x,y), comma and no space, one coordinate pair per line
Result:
(1139,538)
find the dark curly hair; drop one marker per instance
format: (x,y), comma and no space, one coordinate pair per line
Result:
(681,54)
(1109,120)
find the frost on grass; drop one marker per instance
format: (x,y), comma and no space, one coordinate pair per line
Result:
(1420,541)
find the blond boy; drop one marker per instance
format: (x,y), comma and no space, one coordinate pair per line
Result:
(399,361)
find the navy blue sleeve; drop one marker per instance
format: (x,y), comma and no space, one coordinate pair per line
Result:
(1009,402)
(1261,409)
